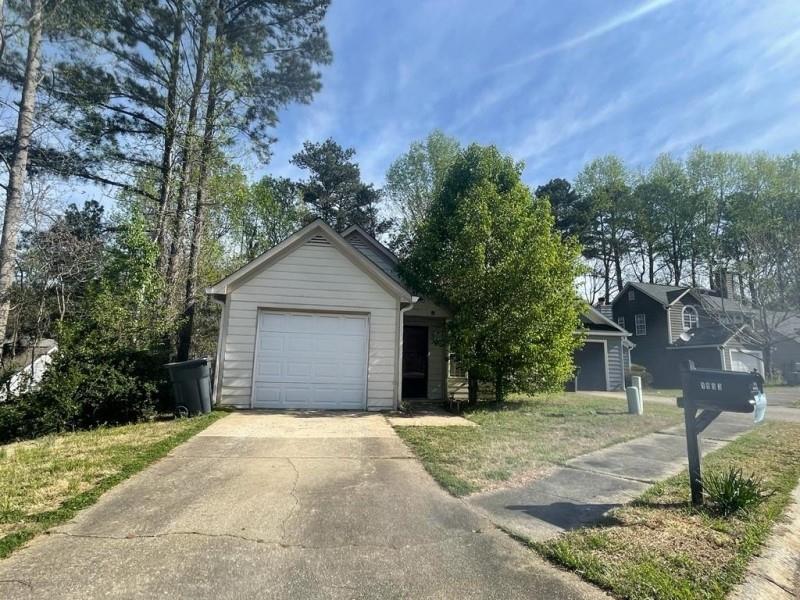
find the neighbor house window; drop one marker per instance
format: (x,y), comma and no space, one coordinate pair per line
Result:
(621,322)
(631,295)
(689,318)
(641,324)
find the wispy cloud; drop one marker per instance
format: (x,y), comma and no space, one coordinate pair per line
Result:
(604,28)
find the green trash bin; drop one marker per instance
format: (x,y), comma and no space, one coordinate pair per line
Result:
(191,383)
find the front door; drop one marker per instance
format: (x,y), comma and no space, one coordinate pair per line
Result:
(415,361)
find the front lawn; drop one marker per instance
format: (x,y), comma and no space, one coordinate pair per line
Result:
(44,482)
(659,547)
(520,438)
(663,392)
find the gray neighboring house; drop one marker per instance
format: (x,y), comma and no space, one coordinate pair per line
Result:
(786,353)
(672,324)
(603,362)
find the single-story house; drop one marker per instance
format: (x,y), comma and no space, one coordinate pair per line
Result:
(604,361)
(323,321)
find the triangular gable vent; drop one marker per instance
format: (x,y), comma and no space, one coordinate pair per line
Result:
(318,240)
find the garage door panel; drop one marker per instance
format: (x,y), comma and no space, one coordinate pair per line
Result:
(271,343)
(267,394)
(311,361)
(268,368)
(303,369)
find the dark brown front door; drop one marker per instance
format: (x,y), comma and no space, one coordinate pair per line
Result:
(415,361)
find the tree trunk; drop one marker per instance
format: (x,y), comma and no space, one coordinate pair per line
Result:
(170,128)
(2,29)
(188,150)
(499,390)
(19,163)
(472,389)
(190,301)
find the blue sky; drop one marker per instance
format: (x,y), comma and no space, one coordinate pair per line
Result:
(554,83)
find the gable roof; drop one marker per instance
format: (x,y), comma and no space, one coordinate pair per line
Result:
(790,328)
(369,238)
(663,294)
(597,321)
(712,302)
(667,295)
(717,335)
(298,238)
(388,266)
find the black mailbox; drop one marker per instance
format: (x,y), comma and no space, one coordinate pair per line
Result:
(728,391)
(714,392)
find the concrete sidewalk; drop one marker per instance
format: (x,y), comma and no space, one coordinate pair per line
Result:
(585,488)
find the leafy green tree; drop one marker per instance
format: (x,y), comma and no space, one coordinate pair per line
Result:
(263,214)
(571,211)
(604,182)
(664,218)
(109,366)
(488,251)
(334,191)
(414,179)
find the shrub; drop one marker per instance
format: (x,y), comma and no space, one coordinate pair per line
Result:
(731,491)
(80,391)
(108,369)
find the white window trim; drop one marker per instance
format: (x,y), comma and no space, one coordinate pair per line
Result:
(640,324)
(621,321)
(689,310)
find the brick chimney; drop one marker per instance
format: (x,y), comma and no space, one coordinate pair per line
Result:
(725,283)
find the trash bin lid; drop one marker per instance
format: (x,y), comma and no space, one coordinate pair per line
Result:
(187,364)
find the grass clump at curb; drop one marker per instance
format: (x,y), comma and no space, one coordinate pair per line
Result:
(659,547)
(46,481)
(524,436)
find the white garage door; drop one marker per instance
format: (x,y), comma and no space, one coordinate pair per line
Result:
(742,360)
(315,361)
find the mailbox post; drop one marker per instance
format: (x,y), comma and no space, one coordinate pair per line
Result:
(713,392)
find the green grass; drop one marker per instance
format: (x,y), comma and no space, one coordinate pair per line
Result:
(660,548)
(44,482)
(521,438)
(665,392)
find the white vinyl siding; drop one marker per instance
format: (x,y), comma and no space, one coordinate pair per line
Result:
(616,368)
(640,320)
(312,277)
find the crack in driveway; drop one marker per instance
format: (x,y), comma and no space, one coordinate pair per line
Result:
(279,543)
(293,494)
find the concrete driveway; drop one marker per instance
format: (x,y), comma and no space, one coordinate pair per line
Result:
(283,506)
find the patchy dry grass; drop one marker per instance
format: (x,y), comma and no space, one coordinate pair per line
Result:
(522,438)
(45,481)
(659,547)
